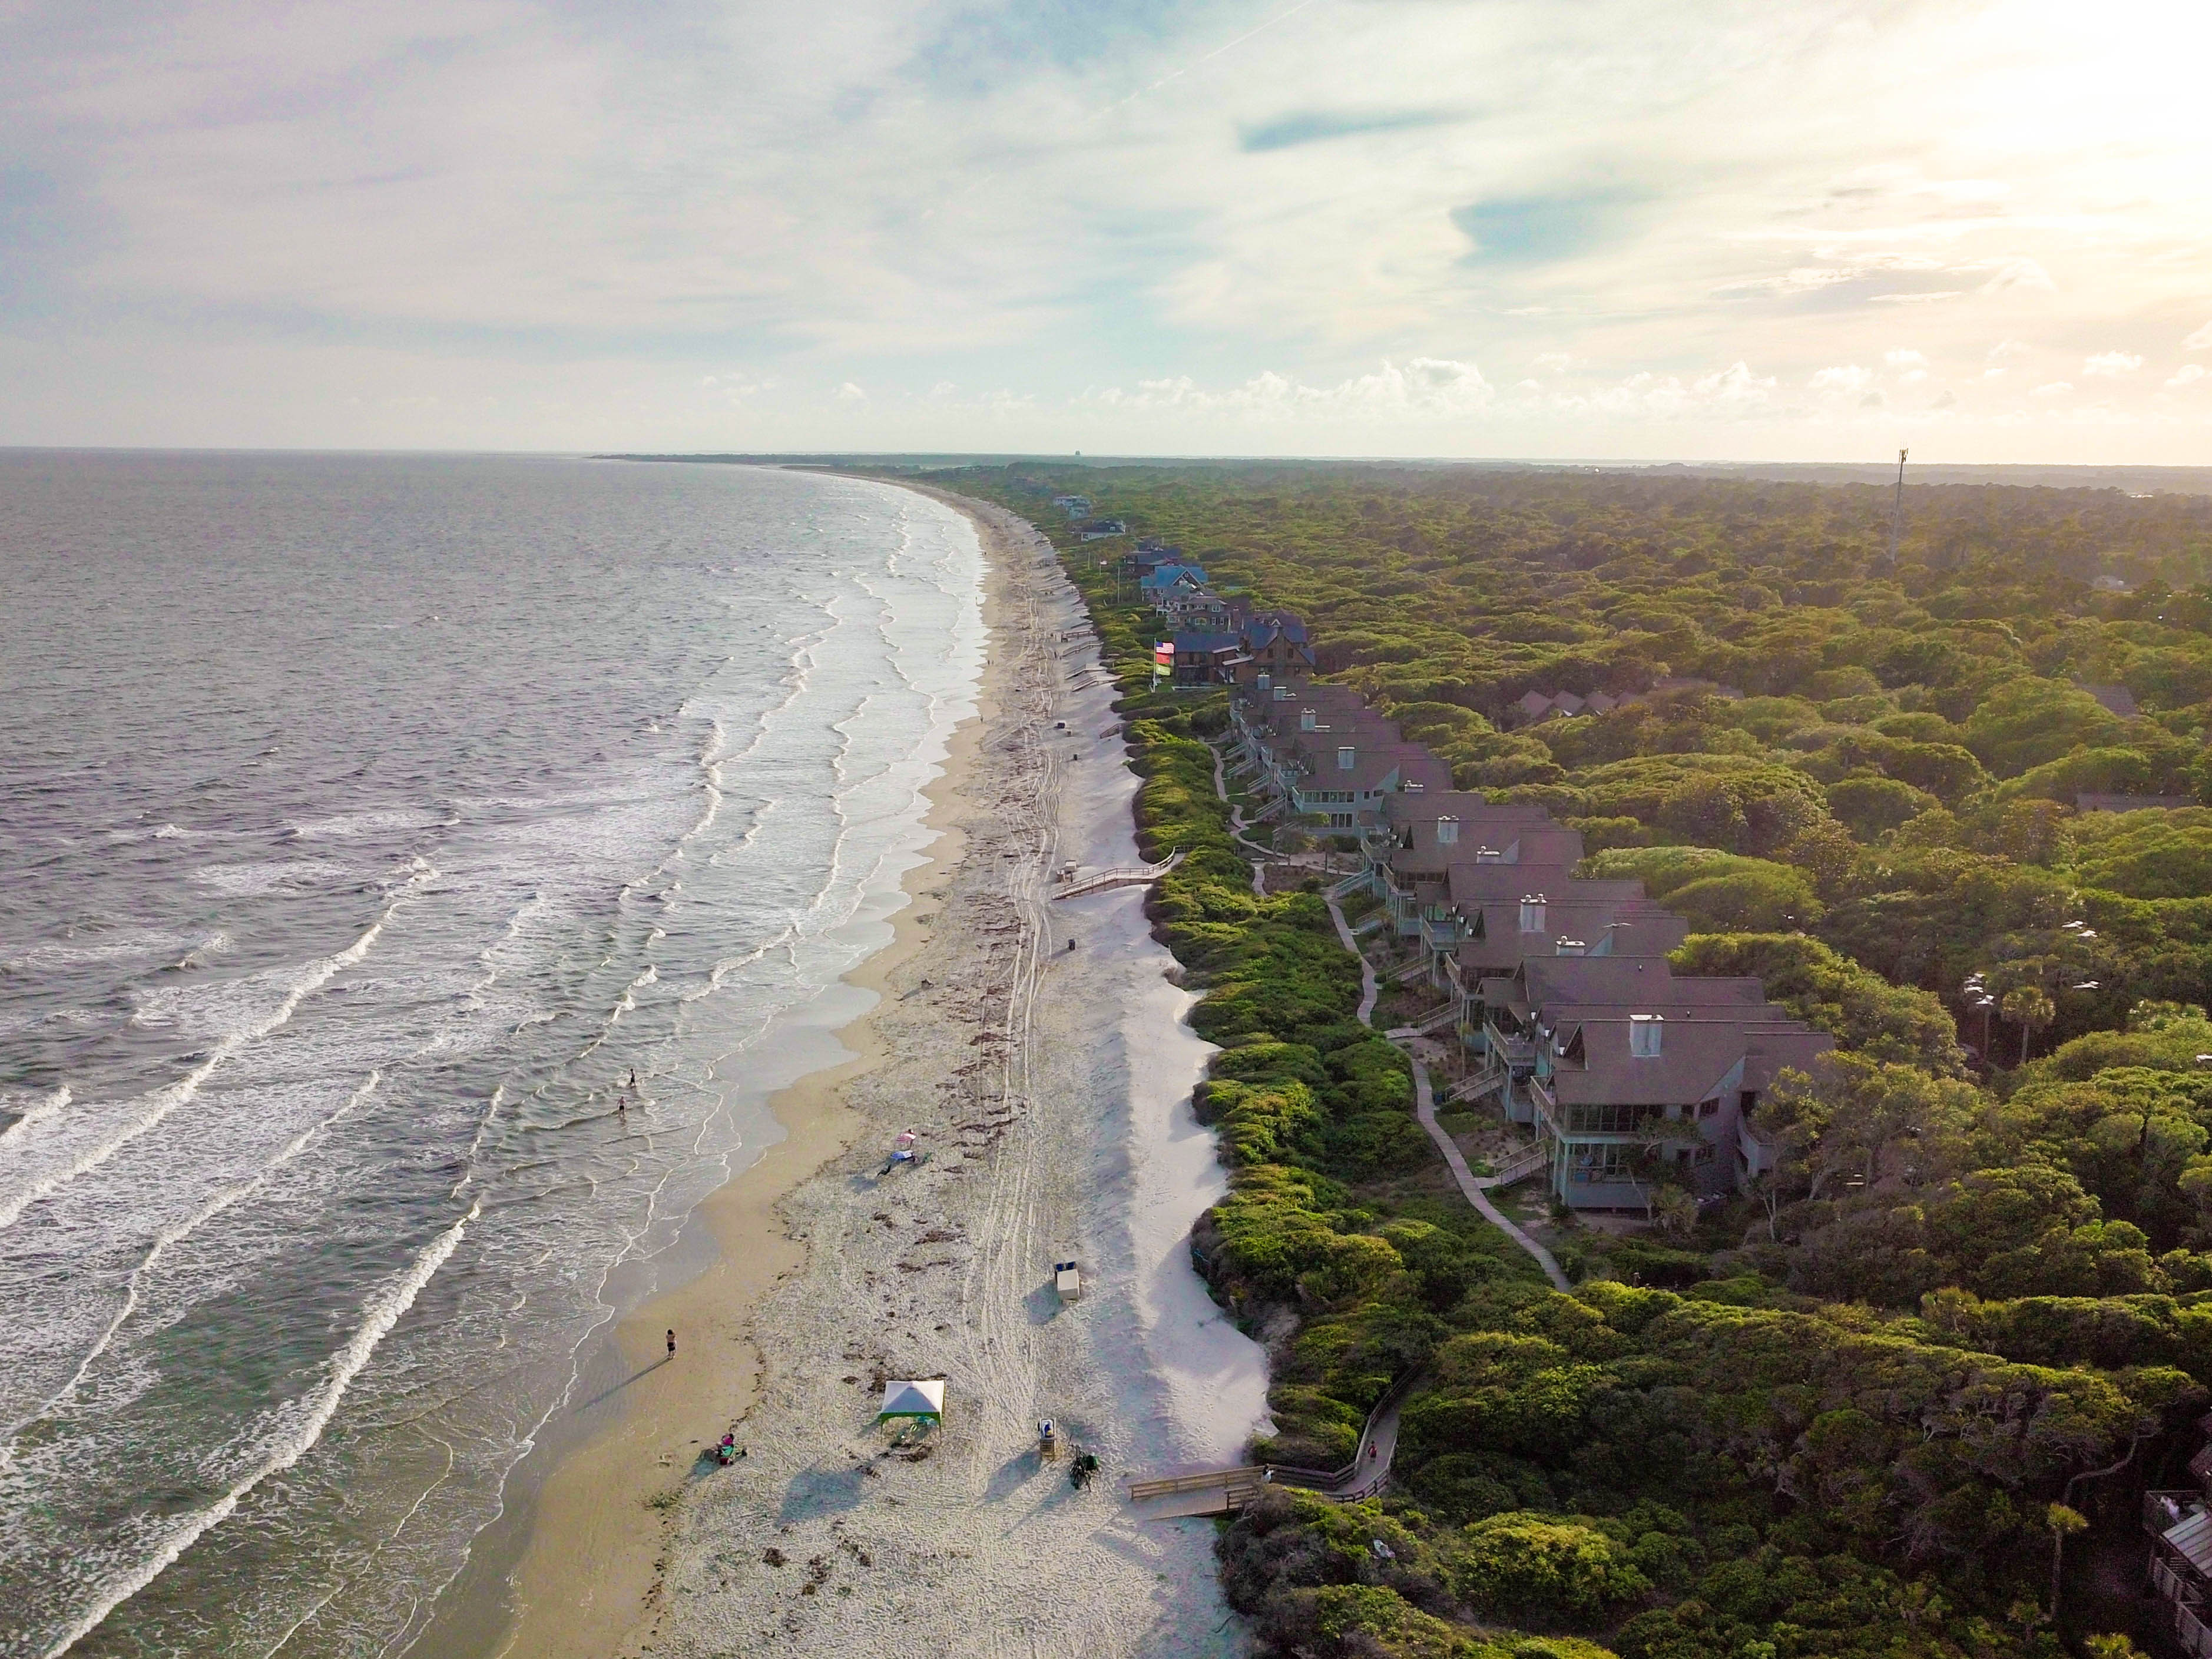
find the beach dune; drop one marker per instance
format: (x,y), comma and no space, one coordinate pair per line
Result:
(1047,1090)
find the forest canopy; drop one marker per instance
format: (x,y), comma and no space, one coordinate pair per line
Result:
(1954,810)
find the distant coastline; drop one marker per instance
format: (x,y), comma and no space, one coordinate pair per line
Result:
(2175,480)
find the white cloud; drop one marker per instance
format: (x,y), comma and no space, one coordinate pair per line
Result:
(2111,364)
(1734,391)
(2187,375)
(564,204)
(2021,275)
(1911,367)
(735,387)
(2053,389)
(1420,388)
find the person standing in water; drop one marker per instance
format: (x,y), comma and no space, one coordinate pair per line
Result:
(671,1344)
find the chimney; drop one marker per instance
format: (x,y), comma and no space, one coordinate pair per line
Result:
(1282,694)
(1306,718)
(1573,947)
(1532,913)
(1644,1031)
(1447,830)
(1345,758)
(1265,680)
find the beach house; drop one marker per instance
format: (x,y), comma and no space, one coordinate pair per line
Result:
(1203,657)
(1164,581)
(1276,643)
(1634,1077)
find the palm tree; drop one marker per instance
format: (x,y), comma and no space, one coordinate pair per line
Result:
(2032,1009)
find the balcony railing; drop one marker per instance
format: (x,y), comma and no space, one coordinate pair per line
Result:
(1547,1109)
(2195,1635)
(1517,1052)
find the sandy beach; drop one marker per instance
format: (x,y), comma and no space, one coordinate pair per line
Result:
(1048,1089)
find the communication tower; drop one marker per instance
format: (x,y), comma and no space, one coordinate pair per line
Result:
(1897,512)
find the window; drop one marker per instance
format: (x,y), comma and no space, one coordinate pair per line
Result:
(1345,758)
(1601,1162)
(1747,1102)
(1708,1108)
(1607,1119)
(1704,1154)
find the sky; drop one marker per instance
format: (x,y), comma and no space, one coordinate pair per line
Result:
(1749,230)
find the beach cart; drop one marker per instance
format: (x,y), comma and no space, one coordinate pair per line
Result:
(1068,1281)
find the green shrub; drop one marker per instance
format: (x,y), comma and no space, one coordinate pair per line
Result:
(1524,1564)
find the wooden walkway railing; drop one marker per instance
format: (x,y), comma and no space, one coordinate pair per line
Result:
(1140,875)
(1520,1167)
(1249,1475)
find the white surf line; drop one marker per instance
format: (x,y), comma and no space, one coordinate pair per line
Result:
(33,1115)
(406,1630)
(162,1102)
(381,1313)
(173,1234)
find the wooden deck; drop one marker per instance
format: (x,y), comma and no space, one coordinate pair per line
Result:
(1209,1491)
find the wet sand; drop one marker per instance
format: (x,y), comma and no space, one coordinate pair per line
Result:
(1050,1090)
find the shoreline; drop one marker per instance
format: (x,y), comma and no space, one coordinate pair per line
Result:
(1072,1068)
(578,1570)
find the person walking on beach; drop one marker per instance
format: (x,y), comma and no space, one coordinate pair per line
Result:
(671,1344)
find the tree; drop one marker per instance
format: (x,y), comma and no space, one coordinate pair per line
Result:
(2028,1007)
(2062,1523)
(2114,1646)
(1676,1210)
(1876,1118)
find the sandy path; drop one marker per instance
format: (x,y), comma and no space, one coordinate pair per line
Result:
(1424,1108)
(1050,1088)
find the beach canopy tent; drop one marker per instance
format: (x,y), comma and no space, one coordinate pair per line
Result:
(923,1400)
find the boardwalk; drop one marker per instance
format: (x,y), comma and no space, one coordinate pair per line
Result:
(1128,875)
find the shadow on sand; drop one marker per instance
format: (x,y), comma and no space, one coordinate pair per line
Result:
(610,1393)
(1044,1304)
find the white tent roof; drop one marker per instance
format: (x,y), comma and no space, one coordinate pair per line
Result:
(913,1399)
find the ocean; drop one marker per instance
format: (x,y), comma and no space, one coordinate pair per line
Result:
(367,824)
